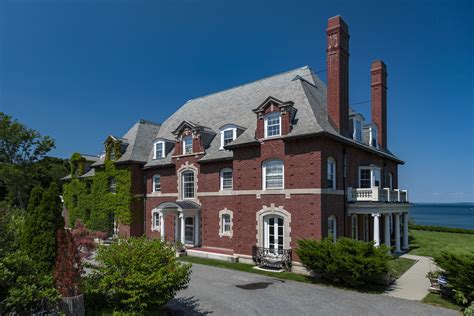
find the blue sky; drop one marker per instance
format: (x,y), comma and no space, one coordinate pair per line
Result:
(81,70)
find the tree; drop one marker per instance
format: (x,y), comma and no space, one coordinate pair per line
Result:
(68,268)
(20,145)
(42,222)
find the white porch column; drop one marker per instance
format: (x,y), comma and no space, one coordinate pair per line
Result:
(376,229)
(387,231)
(397,232)
(405,231)
(196,230)
(162,225)
(181,218)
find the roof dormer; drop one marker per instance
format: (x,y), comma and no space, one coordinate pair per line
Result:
(114,147)
(274,117)
(192,138)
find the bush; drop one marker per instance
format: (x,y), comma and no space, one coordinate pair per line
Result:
(348,262)
(459,269)
(441,229)
(25,288)
(137,274)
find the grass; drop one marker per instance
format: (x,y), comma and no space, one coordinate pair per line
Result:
(400,266)
(437,300)
(431,244)
(397,268)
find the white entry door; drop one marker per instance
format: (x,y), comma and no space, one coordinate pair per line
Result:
(273,232)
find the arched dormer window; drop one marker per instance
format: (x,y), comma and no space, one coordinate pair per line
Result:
(273,174)
(331,173)
(156,183)
(228,134)
(159,150)
(226,179)
(273,124)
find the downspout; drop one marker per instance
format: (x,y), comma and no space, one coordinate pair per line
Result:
(344,172)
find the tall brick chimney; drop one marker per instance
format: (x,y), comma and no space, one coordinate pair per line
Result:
(378,96)
(337,59)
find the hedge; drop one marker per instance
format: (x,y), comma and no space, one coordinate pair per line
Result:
(442,229)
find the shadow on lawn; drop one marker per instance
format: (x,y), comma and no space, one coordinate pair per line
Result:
(182,306)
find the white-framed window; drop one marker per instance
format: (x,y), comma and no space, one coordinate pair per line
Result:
(354,226)
(273,174)
(187,180)
(156,183)
(159,150)
(332,228)
(273,232)
(228,134)
(112,185)
(156,223)
(225,224)
(373,136)
(226,179)
(189,230)
(273,124)
(369,177)
(357,133)
(331,174)
(187,145)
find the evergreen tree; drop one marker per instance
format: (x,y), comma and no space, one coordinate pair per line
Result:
(31,229)
(42,224)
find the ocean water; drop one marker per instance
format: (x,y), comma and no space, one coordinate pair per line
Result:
(458,215)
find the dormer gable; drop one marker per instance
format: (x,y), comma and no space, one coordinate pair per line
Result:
(114,147)
(274,118)
(192,138)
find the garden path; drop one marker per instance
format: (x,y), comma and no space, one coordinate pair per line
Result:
(413,284)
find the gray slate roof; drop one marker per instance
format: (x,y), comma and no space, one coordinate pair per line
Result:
(234,106)
(139,140)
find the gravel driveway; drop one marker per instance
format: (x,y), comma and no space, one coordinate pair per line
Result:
(227,292)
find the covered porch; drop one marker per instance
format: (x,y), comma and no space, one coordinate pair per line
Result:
(381,222)
(187,224)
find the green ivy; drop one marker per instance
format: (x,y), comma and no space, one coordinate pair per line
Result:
(92,201)
(77,164)
(112,146)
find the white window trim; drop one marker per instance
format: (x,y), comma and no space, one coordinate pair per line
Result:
(182,185)
(372,175)
(221,224)
(356,121)
(371,136)
(221,173)
(334,233)
(162,143)
(264,174)
(154,182)
(184,144)
(156,226)
(266,124)
(333,161)
(228,128)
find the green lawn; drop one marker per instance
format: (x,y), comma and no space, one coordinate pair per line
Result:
(435,299)
(428,243)
(397,267)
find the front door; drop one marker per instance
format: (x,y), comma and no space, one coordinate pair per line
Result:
(189,230)
(273,234)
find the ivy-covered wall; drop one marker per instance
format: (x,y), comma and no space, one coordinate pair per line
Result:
(92,201)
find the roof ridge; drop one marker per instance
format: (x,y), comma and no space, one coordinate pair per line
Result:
(248,83)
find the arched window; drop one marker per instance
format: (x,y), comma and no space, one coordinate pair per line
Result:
(273,174)
(159,150)
(226,179)
(187,180)
(156,183)
(225,223)
(331,173)
(273,124)
(332,228)
(228,134)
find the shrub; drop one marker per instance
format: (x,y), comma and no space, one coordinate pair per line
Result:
(349,262)
(68,267)
(25,288)
(459,269)
(84,239)
(137,274)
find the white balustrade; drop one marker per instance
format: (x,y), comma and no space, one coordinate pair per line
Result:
(376,194)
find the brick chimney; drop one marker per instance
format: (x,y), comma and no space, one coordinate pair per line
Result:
(378,96)
(337,59)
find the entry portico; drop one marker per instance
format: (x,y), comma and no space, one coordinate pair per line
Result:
(392,224)
(187,228)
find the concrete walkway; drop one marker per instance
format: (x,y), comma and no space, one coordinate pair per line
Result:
(413,284)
